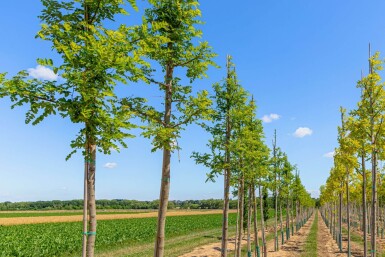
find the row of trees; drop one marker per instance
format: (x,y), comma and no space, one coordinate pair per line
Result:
(354,194)
(118,204)
(239,153)
(95,58)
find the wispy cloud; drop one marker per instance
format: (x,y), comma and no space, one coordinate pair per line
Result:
(270,117)
(302,132)
(42,72)
(329,155)
(110,165)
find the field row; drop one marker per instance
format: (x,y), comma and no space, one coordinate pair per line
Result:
(64,239)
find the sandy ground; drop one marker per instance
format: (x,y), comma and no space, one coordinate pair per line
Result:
(326,246)
(53,219)
(214,249)
(211,250)
(294,246)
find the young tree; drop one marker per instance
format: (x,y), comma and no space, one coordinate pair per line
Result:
(169,32)
(228,97)
(371,113)
(345,155)
(93,59)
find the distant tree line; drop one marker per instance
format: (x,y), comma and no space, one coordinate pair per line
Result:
(115,204)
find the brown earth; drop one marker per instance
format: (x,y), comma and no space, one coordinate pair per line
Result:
(294,246)
(214,249)
(53,219)
(326,246)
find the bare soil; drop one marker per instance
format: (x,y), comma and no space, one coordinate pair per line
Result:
(294,246)
(326,246)
(54,219)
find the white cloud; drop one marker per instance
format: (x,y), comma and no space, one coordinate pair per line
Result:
(110,165)
(329,155)
(269,118)
(302,132)
(42,72)
(314,193)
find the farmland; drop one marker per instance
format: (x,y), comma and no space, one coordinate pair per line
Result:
(64,239)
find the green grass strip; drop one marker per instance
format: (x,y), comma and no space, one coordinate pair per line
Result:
(310,248)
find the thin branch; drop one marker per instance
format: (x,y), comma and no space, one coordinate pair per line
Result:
(187,120)
(189,61)
(155,82)
(95,13)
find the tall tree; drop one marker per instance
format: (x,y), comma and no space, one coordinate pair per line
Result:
(170,39)
(228,97)
(93,59)
(371,113)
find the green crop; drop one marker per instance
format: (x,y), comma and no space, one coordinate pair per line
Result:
(64,239)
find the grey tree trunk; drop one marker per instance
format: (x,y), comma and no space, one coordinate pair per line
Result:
(255,217)
(374,203)
(340,221)
(166,168)
(85,205)
(241,197)
(249,213)
(364,212)
(347,209)
(262,221)
(227,175)
(91,203)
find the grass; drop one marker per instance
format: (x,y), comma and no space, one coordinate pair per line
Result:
(358,239)
(310,248)
(174,247)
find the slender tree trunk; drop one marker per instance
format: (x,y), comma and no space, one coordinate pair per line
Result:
(262,221)
(249,222)
(91,203)
(340,222)
(275,193)
(287,218)
(374,202)
(241,196)
(237,226)
(227,173)
(276,221)
(280,217)
(85,203)
(166,168)
(255,217)
(347,208)
(225,224)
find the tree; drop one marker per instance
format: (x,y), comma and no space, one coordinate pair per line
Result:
(169,34)
(228,97)
(371,113)
(93,59)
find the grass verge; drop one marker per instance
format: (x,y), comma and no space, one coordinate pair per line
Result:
(310,247)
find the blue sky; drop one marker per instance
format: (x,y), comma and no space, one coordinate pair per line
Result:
(300,59)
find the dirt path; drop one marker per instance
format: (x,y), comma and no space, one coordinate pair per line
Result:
(326,246)
(53,219)
(293,247)
(214,249)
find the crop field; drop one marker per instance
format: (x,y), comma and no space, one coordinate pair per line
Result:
(48,214)
(43,218)
(64,239)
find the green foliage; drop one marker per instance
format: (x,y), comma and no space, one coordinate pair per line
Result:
(93,60)
(230,100)
(64,239)
(170,38)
